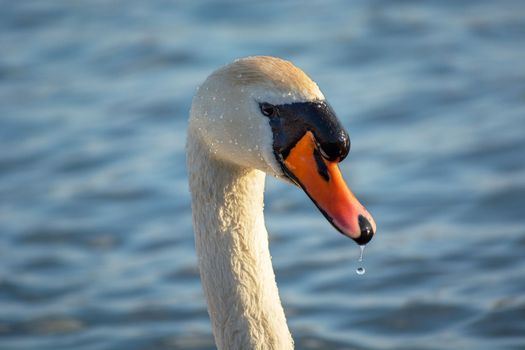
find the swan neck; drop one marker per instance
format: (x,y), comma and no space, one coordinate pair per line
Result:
(232,247)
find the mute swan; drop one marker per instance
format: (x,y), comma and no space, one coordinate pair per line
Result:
(254,116)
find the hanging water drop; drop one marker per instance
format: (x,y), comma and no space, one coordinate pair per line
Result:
(361,270)
(362,248)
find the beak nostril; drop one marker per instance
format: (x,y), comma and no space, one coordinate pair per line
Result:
(367,232)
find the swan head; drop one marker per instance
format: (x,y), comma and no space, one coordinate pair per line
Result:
(265,113)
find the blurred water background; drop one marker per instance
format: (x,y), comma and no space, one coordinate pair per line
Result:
(96,244)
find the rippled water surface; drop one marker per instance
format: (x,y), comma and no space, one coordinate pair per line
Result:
(96,244)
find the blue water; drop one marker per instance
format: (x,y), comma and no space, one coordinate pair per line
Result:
(96,244)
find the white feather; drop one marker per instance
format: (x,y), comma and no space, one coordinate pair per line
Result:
(229,149)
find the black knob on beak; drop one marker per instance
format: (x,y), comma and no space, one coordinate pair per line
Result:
(336,149)
(367,232)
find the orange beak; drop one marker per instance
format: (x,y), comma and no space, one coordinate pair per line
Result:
(324,184)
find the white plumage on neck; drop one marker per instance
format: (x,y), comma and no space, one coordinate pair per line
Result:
(230,148)
(232,247)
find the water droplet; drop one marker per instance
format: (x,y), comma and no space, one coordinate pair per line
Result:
(221,116)
(362,248)
(361,270)
(239,76)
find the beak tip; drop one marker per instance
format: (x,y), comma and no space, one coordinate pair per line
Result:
(367,231)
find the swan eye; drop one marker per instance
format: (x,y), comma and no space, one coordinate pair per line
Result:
(268,109)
